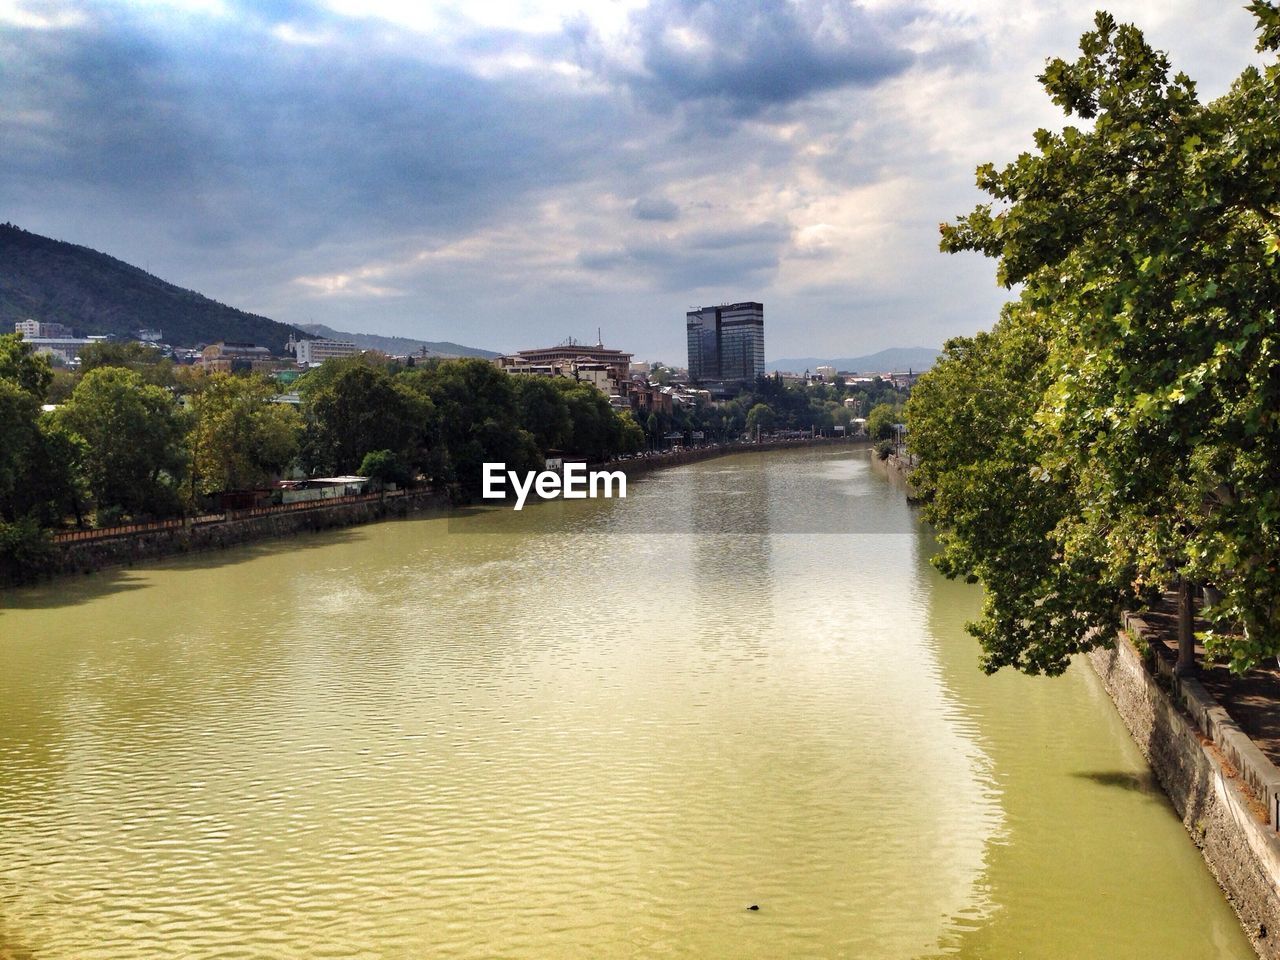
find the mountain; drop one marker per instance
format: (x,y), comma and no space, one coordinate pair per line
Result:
(45,279)
(398,346)
(893,360)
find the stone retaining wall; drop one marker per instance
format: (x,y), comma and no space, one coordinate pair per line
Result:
(643,465)
(1227,818)
(88,556)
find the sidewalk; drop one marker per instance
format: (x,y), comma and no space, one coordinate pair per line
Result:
(1252,699)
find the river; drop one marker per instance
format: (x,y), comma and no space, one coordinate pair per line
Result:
(588,729)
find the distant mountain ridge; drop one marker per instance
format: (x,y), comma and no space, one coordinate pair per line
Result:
(398,346)
(93,293)
(892,360)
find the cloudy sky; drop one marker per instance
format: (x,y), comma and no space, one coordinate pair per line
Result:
(507,173)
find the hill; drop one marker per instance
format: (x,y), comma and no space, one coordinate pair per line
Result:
(893,360)
(398,346)
(45,279)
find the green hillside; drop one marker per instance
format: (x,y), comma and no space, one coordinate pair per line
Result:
(44,279)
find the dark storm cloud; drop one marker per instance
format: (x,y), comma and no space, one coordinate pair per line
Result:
(238,131)
(750,55)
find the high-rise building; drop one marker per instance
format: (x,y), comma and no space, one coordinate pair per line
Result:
(726,342)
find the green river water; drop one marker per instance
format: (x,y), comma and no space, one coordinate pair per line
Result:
(594,729)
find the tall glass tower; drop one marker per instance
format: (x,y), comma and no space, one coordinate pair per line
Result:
(726,342)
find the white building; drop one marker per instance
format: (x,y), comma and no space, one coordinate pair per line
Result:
(65,348)
(827,373)
(35,329)
(311,352)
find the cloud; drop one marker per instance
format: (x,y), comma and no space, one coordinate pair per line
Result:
(703,259)
(655,208)
(504,172)
(299,140)
(746,56)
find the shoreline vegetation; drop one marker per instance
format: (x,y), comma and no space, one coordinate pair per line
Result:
(1214,760)
(1114,437)
(130,438)
(88,551)
(140,447)
(1109,452)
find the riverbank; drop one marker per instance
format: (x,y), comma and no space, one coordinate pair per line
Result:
(1224,788)
(99,549)
(898,472)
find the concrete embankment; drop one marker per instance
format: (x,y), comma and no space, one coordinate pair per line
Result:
(898,472)
(1225,790)
(86,556)
(642,465)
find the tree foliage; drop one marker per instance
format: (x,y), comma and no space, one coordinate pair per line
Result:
(240,439)
(361,408)
(882,419)
(132,434)
(1133,387)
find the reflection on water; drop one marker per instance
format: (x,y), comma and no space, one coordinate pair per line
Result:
(602,729)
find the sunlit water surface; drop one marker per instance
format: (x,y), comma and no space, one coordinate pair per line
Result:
(590,729)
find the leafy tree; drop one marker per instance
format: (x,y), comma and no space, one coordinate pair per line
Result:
(22,367)
(1146,245)
(881,421)
(630,437)
(132,434)
(37,461)
(359,409)
(653,428)
(479,421)
(541,409)
(761,418)
(386,467)
(597,431)
(148,362)
(240,439)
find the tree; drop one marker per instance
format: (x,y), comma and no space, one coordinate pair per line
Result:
(761,419)
(385,467)
(37,461)
(148,362)
(132,434)
(360,409)
(630,436)
(882,419)
(239,439)
(479,422)
(1146,246)
(596,431)
(542,410)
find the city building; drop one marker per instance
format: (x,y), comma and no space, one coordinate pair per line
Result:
(827,373)
(605,368)
(230,356)
(726,342)
(571,351)
(313,352)
(42,330)
(66,349)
